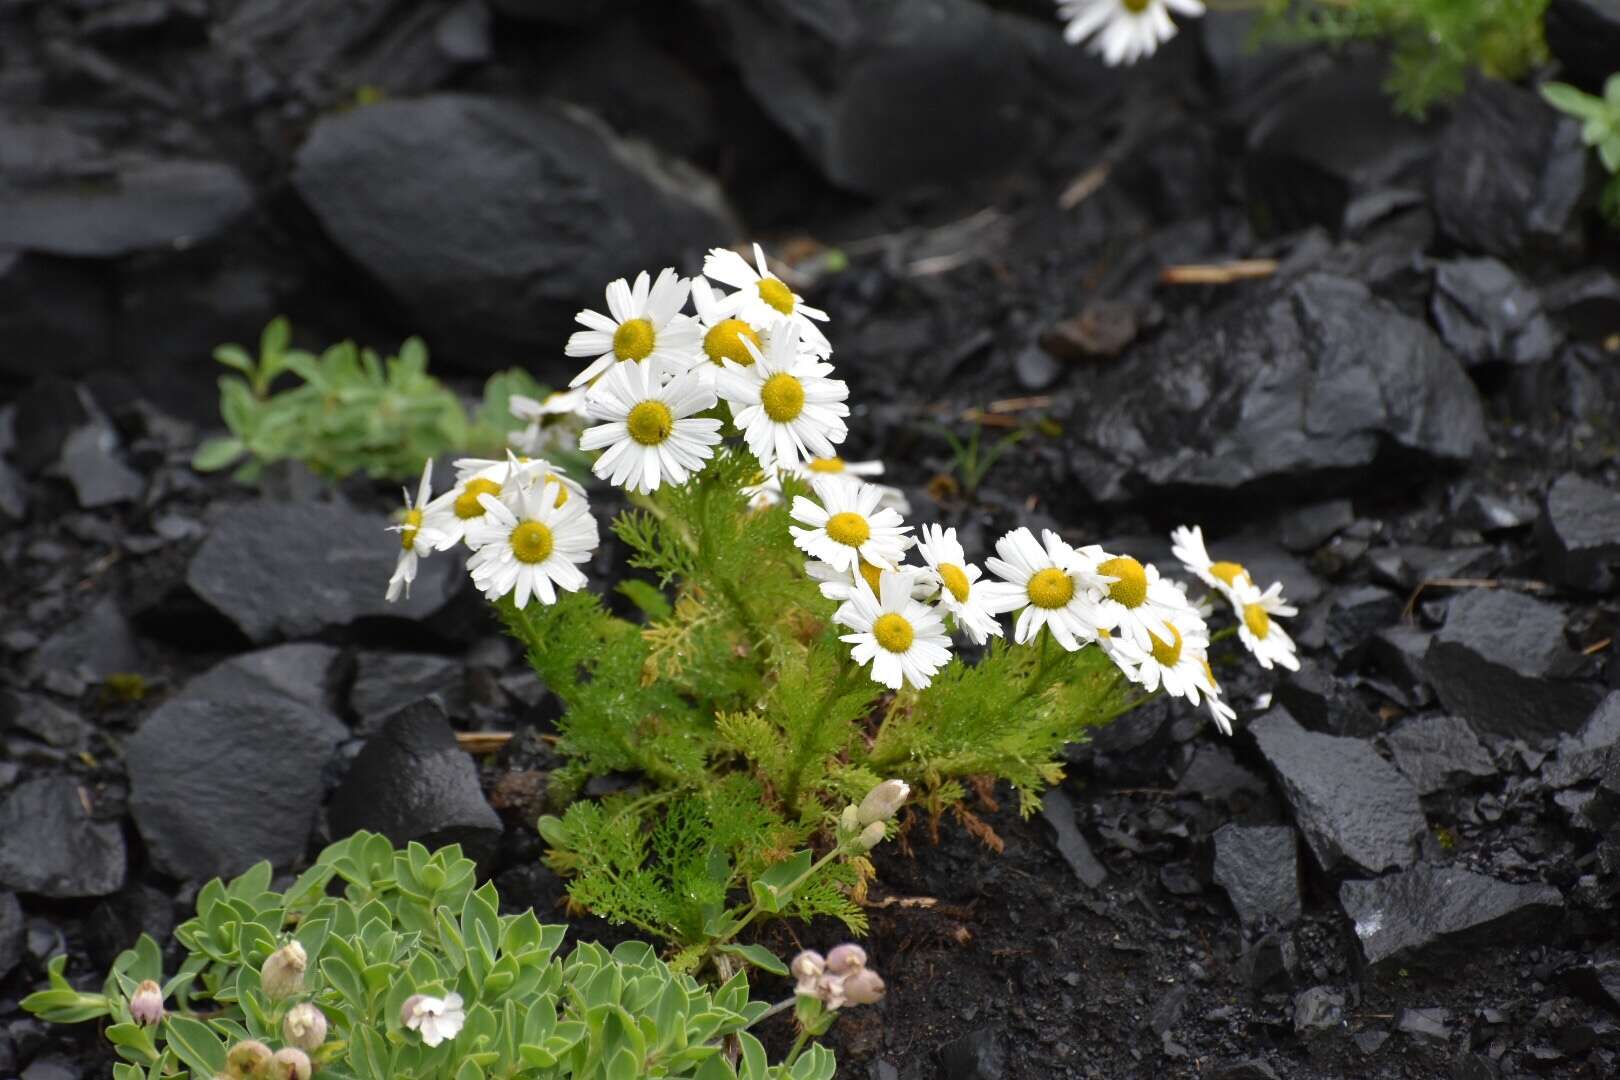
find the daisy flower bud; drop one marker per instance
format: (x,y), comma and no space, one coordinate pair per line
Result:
(248,1058)
(864,987)
(883,801)
(289,1063)
(283,974)
(146,1007)
(304,1027)
(807,969)
(846,959)
(872,835)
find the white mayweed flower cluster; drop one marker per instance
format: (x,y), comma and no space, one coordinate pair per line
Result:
(653,379)
(1123,31)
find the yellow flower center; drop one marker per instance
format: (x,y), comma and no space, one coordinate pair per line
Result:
(562,489)
(849,529)
(1104,633)
(413,522)
(1227,572)
(726,341)
(1209,673)
(955,579)
(1257,620)
(776,294)
(633,340)
(1130,584)
(1167,653)
(467,505)
(531,542)
(650,423)
(1050,588)
(826,465)
(1136,7)
(893,632)
(872,574)
(783,397)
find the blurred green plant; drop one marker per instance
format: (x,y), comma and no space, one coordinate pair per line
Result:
(1600,129)
(350,410)
(1434,43)
(971,460)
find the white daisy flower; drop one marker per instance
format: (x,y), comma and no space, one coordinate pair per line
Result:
(544,429)
(1259,629)
(651,435)
(529,544)
(839,585)
(957,580)
(1055,586)
(1174,661)
(763,299)
(557,403)
(847,526)
(787,407)
(902,638)
(1187,545)
(817,468)
(417,539)
(1219,711)
(726,338)
(435,1019)
(1123,31)
(1138,599)
(645,326)
(452,514)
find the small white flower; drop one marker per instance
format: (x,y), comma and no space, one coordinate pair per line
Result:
(1123,31)
(763,299)
(1174,661)
(651,434)
(726,339)
(1187,545)
(1138,600)
(785,404)
(1055,586)
(557,403)
(436,1019)
(518,470)
(847,527)
(840,584)
(902,638)
(958,584)
(529,544)
(646,326)
(1222,713)
(452,514)
(1259,629)
(417,538)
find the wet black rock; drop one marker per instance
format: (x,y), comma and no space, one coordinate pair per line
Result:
(858,86)
(1597,981)
(1438,752)
(1306,528)
(1271,962)
(1487,315)
(1247,1069)
(1325,703)
(97,644)
(1349,386)
(1397,653)
(52,845)
(12,932)
(1258,866)
(412,782)
(977,1055)
(1433,915)
(295,569)
(47,412)
(1585,37)
(485,217)
(386,682)
(1579,534)
(1424,1025)
(1215,776)
(1354,614)
(1498,663)
(561,12)
(1355,810)
(1511,173)
(55,315)
(1586,303)
(1058,811)
(50,723)
(91,464)
(1318,1009)
(1407,566)
(229,771)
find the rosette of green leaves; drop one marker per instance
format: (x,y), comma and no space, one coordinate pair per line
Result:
(379,925)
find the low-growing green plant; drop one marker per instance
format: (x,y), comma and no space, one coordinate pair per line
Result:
(780,661)
(350,410)
(1600,129)
(378,963)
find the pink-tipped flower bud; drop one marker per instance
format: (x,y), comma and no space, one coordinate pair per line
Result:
(290,1063)
(807,968)
(883,801)
(864,987)
(146,1007)
(846,959)
(283,974)
(304,1027)
(872,835)
(248,1058)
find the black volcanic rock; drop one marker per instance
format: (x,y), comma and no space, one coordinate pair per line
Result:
(1579,534)
(12,933)
(1486,314)
(1300,389)
(386,682)
(1325,703)
(230,770)
(411,781)
(1498,663)
(1058,811)
(1584,36)
(55,315)
(1356,812)
(52,845)
(1438,752)
(1435,915)
(490,219)
(90,463)
(97,644)
(1258,866)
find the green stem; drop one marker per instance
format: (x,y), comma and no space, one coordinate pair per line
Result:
(794,1051)
(781,1006)
(786,890)
(1222,634)
(808,737)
